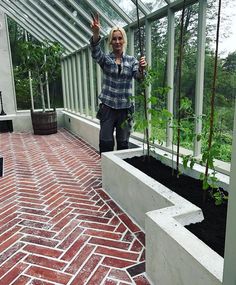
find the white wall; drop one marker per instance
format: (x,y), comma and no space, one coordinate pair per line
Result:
(6,76)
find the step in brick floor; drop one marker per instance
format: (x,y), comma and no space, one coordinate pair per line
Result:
(57,224)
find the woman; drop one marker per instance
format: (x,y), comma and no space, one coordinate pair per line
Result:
(115,111)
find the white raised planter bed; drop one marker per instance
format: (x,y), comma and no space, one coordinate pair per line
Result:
(174,256)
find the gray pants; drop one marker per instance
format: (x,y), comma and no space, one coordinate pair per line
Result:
(110,120)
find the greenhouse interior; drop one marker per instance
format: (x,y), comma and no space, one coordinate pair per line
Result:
(74,214)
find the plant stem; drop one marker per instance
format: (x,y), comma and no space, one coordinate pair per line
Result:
(179,86)
(144,91)
(211,133)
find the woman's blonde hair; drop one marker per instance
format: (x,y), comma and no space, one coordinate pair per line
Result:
(114,29)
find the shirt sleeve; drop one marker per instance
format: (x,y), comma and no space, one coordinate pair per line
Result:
(136,72)
(97,54)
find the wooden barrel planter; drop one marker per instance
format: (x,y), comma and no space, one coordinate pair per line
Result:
(44,123)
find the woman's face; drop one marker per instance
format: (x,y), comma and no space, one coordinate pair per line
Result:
(117,42)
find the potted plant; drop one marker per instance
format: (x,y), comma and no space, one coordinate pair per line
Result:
(42,60)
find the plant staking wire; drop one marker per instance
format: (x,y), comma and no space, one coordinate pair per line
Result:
(144,91)
(181,44)
(211,132)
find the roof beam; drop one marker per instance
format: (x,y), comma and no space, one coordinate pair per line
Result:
(62,19)
(83,13)
(142,7)
(22,22)
(50,24)
(120,12)
(101,13)
(70,14)
(20,10)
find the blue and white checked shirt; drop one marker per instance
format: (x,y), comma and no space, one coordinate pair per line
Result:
(117,86)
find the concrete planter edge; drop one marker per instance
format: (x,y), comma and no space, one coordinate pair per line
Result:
(174,256)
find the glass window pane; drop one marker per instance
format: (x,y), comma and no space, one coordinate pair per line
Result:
(130,9)
(225,90)
(185,74)
(154,4)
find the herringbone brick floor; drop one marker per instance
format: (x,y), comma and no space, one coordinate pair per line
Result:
(57,225)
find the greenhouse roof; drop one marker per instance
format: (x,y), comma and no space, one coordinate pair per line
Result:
(68,21)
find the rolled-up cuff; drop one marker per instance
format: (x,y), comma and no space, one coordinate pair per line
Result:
(96,43)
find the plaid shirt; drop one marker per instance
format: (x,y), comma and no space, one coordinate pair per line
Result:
(117,85)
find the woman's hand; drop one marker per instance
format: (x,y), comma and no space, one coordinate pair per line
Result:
(95,26)
(142,64)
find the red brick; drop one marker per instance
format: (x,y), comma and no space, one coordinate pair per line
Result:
(56,203)
(66,230)
(32,211)
(109,235)
(61,215)
(86,270)
(43,250)
(48,275)
(92,219)
(40,241)
(103,194)
(121,228)
(89,213)
(110,282)
(13,273)
(142,257)
(80,258)
(115,207)
(83,202)
(141,280)
(109,243)
(34,218)
(78,197)
(45,262)
(84,206)
(128,237)
(38,232)
(10,241)
(32,224)
(104,208)
(141,237)
(22,280)
(29,205)
(97,226)
(8,219)
(9,233)
(95,198)
(70,239)
(10,251)
(114,221)
(58,209)
(137,246)
(7,206)
(99,203)
(117,253)
(98,275)
(28,195)
(40,282)
(120,275)
(63,222)
(30,200)
(11,262)
(129,223)
(71,252)
(115,262)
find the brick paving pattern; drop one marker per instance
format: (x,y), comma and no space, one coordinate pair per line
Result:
(57,225)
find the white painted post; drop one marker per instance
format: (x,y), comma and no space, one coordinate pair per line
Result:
(229,274)
(6,79)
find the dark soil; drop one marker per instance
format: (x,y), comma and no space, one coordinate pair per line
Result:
(212,229)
